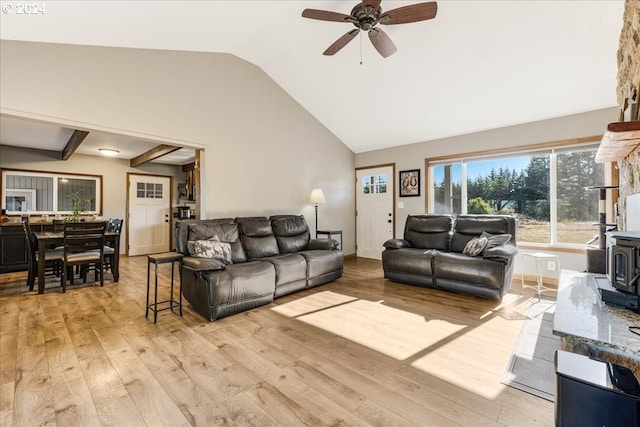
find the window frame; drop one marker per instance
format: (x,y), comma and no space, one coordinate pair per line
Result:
(556,147)
(55,176)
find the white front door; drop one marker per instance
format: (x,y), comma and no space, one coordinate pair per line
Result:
(374,210)
(149,214)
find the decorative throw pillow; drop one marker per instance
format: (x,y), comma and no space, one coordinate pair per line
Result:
(212,248)
(475,246)
(494,240)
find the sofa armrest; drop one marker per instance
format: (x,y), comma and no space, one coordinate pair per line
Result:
(506,252)
(326,244)
(396,244)
(202,264)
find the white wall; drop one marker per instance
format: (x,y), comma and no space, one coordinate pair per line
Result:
(559,129)
(113,172)
(263,151)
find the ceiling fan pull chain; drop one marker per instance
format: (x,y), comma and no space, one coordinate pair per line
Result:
(360,47)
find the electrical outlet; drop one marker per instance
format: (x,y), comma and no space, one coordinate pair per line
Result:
(552,265)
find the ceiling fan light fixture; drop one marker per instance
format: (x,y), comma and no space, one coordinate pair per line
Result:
(109,152)
(366,15)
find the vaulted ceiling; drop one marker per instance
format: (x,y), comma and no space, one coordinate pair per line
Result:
(478,65)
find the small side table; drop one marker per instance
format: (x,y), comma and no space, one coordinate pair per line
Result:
(539,258)
(156,259)
(329,234)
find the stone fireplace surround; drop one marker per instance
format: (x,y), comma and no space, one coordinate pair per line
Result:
(629,78)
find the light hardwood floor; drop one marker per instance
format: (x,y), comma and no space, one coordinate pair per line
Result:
(359,351)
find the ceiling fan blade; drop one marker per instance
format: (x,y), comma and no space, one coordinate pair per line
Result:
(341,42)
(325,15)
(382,42)
(411,13)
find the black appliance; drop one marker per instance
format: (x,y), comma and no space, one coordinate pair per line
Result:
(184,212)
(593,393)
(623,260)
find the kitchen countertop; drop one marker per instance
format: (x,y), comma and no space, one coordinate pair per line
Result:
(17,221)
(588,326)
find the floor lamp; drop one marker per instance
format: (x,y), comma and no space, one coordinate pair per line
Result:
(317,196)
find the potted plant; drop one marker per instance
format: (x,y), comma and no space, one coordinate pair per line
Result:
(78,205)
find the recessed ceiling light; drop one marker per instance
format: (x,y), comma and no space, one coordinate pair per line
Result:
(109,152)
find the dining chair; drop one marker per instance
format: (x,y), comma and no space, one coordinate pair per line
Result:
(114,226)
(83,246)
(58,225)
(53,258)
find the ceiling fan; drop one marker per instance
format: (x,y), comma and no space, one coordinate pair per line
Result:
(366,15)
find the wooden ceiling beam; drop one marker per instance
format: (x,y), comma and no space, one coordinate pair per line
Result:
(72,145)
(159,151)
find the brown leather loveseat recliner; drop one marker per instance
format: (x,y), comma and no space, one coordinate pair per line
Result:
(432,253)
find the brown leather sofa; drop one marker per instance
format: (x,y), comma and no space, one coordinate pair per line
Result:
(269,257)
(431,254)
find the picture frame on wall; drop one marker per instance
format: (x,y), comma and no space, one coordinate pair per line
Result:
(410,183)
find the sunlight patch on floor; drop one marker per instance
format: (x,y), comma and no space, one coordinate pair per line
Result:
(311,303)
(456,361)
(393,332)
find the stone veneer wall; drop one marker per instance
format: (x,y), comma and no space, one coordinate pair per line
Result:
(628,78)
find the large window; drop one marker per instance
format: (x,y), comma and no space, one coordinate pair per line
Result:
(546,190)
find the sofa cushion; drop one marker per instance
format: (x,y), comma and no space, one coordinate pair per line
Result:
(428,231)
(321,262)
(257,237)
(409,260)
(475,246)
(453,267)
(183,229)
(225,231)
(212,248)
(289,268)
(292,233)
(241,282)
(467,227)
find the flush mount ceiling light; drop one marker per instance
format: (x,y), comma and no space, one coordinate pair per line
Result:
(108,152)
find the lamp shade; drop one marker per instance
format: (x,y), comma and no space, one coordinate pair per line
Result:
(317,196)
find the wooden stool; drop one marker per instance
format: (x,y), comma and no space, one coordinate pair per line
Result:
(156,259)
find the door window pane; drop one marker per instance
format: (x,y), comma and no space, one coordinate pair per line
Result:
(374,184)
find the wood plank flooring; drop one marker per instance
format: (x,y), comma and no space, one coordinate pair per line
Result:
(361,351)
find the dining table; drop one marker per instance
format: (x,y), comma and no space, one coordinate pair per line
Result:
(46,239)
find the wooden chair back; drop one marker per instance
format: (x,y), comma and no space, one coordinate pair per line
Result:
(84,246)
(31,246)
(114,225)
(83,237)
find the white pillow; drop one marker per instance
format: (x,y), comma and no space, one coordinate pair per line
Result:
(494,240)
(475,246)
(210,249)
